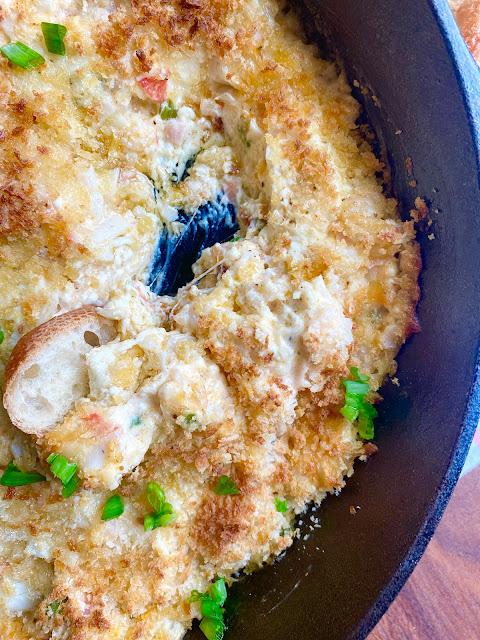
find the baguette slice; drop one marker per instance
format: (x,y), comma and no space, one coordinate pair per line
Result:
(47,370)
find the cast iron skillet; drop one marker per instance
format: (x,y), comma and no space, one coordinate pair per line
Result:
(337,584)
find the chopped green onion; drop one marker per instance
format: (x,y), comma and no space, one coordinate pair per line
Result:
(113,508)
(70,488)
(197,595)
(354,400)
(219,591)
(168,111)
(212,629)
(355,406)
(350,413)
(163,514)
(61,468)
(167,508)
(235,239)
(226,487)
(21,55)
(365,427)
(354,387)
(64,471)
(281,505)
(359,376)
(164,519)
(190,417)
(155,496)
(369,410)
(54,35)
(211,609)
(1,336)
(155,520)
(149,522)
(135,421)
(13,477)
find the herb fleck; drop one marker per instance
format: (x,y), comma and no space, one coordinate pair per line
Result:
(243,129)
(55,607)
(168,111)
(226,487)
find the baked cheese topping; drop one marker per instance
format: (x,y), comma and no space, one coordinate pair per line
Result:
(158,108)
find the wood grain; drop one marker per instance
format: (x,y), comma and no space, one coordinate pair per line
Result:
(441,599)
(467,14)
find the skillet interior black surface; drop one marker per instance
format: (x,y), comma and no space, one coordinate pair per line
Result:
(336,584)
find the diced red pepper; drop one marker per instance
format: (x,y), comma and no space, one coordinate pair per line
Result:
(154,88)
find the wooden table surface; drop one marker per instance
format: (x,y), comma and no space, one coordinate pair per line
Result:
(441,599)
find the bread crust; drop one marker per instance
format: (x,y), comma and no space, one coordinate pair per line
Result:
(31,344)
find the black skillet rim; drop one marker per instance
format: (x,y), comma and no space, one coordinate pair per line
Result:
(467,74)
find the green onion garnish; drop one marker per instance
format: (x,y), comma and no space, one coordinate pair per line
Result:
(54,35)
(167,508)
(1,336)
(164,519)
(64,471)
(235,239)
(190,417)
(198,595)
(365,427)
(354,400)
(212,629)
(155,496)
(219,591)
(13,477)
(113,508)
(369,410)
(55,607)
(135,421)
(355,406)
(211,609)
(356,387)
(21,55)
(163,514)
(350,413)
(70,488)
(155,520)
(168,111)
(226,487)
(281,505)
(61,468)
(212,624)
(359,376)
